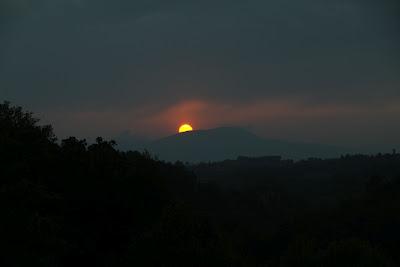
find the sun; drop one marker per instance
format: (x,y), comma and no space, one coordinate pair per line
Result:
(185,128)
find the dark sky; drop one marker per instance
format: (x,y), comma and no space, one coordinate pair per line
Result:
(311,70)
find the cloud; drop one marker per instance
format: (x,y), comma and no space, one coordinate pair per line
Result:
(99,59)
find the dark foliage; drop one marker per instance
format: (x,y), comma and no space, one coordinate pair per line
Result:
(69,203)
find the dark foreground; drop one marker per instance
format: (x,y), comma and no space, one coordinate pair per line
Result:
(73,204)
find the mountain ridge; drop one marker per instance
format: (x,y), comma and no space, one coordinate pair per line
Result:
(231,142)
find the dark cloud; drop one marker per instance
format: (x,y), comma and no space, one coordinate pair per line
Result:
(64,57)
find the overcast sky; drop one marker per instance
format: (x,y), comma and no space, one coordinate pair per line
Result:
(310,70)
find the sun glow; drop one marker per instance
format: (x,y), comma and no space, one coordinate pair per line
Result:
(185,128)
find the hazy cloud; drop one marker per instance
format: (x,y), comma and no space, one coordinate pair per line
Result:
(81,61)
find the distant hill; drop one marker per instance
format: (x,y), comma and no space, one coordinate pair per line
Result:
(229,143)
(130,141)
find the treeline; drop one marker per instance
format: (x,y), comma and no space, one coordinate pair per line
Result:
(333,212)
(67,203)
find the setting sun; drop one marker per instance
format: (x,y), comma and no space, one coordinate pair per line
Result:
(185,128)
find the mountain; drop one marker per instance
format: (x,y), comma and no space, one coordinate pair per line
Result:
(229,143)
(130,141)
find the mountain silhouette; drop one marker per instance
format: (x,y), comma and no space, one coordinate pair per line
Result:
(231,142)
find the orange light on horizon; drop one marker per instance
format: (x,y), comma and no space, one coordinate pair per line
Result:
(185,128)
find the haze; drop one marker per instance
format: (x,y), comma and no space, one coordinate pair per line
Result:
(320,71)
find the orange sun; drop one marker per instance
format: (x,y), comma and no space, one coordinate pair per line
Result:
(185,128)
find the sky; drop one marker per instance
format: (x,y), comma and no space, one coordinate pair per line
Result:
(301,70)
